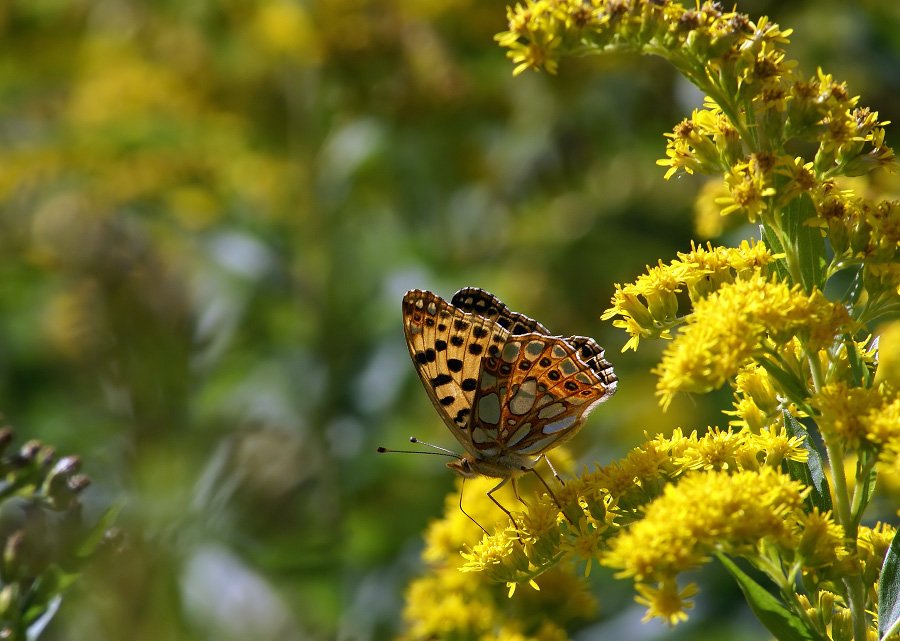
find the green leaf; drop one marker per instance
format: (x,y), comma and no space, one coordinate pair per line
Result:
(781,622)
(95,535)
(857,367)
(811,473)
(889,591)
(856,288)
(789,383)
(772,242)
(867,489)
(808,243)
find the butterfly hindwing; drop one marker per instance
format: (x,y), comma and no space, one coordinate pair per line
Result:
(477,301)
(591,354)
(536,392)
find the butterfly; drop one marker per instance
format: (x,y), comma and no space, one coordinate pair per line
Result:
(507,389)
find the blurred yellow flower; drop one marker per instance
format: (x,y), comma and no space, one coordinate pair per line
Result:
(666,601)
(284,28)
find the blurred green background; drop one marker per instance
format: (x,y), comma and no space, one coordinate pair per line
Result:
(209,212)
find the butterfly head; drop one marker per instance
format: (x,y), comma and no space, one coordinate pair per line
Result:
(500,467)
(464,467)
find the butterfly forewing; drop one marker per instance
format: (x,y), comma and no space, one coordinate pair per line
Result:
(446,345)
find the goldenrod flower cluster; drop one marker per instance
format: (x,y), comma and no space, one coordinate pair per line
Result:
(481,601)
(648,308)
(742,320)
(816,414)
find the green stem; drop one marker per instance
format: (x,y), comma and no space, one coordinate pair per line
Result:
(773,226)
(857,603)
(697,74)
(856,597)
(859,493)
(815,370)
(839,483)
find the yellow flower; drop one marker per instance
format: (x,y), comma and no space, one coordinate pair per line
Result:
(691,147)
(821,540)
(748,415)
(756,403)
(632,481)
(884,218)
(778,446)
(446,536)
(539,519)
(753,381)
(882,429)
(539,530)
(704,270)
(856,414)
(749,187)
(665,601)
(534,36)
(801,176)
(728,328)
(490,551)
(647,463)
(586,543)
(708,220)
(872,545)
(716,450)
(648,307)
(703,513)
(441,606)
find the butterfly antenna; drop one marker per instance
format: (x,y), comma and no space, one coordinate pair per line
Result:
(413,439)
(442,451)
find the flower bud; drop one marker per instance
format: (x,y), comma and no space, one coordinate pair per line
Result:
(842,625)
(826,606)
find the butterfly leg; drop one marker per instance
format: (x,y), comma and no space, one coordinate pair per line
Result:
(469,515)
(516,491)
(549,491)
(497,503)
(553,469)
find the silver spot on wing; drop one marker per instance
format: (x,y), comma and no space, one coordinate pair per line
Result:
(557,426)
(523,400)
(489,409)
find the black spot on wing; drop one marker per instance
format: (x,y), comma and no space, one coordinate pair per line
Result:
(441,379)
